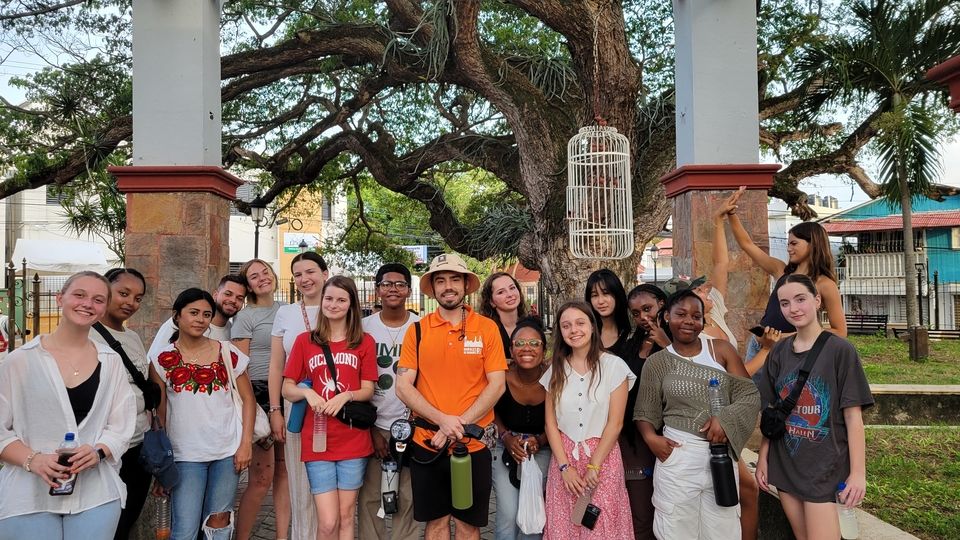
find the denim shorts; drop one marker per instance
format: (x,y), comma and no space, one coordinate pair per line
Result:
(327,476)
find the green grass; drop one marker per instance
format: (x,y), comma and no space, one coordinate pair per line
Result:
(886,361)
(913,480)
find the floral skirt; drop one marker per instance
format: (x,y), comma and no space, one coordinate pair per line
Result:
(615,522)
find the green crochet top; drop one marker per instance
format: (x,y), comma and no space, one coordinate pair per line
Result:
(673,392)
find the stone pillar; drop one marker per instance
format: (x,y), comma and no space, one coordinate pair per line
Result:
(178,195)
(177,232)
(718,147)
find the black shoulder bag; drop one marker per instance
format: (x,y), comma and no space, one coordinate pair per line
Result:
(356,414)
(773,419)
(150,389)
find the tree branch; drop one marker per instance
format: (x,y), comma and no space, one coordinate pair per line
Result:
(41,9)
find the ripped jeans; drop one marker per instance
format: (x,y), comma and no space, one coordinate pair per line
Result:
(205,488)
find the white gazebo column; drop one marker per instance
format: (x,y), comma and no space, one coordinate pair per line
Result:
(178,195)
(718,146)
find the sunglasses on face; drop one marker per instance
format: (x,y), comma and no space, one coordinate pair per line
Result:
(518,343)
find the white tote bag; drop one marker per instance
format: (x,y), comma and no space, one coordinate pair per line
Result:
(261,428)
(531,514)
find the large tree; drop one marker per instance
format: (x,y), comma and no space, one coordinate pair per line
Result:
(884,62)
(409,91)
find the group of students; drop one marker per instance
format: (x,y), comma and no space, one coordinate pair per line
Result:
(617,413)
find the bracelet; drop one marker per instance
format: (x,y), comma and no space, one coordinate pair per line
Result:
(26,464)
(563,467)
(275,408)
(593,467)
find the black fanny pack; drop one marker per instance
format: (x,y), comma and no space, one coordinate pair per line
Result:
(773,419)
(356,414)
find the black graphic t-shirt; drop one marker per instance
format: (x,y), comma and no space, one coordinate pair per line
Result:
(813,457)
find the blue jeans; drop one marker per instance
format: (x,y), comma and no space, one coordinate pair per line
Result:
(508,497)
(205,488)
(327,476)
(97,523)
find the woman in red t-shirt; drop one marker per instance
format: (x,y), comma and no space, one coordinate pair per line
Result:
(335,468)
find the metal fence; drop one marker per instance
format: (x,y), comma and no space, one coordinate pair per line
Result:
(939,301)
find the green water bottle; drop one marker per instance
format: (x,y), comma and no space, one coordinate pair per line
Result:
(461,477)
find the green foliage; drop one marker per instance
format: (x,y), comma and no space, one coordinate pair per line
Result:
(886,361)
(94,206)
(907,146)
(913,477)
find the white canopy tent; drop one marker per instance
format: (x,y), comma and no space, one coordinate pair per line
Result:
(60,256)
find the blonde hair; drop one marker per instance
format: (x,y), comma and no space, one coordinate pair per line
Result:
(83,274)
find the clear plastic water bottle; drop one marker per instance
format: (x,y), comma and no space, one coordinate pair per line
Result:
(319,432)
(849,528)
(716,400)
(162,518)
(65,451)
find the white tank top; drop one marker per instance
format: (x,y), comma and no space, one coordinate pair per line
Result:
(704,358)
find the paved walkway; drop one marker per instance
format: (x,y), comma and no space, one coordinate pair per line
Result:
(267,525)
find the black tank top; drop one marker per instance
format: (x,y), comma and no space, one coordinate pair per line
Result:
(773,317)
(518,417)
(82,395)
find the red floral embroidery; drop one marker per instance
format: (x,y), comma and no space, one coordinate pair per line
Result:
(168,359)
(204,375)
(186,377)
(179,375)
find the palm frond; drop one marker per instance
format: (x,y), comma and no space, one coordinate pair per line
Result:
(907,145)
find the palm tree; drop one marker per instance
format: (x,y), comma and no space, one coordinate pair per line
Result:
(881,64)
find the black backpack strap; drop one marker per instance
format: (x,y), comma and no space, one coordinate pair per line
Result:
(788,404)
(138,378)
(330,366)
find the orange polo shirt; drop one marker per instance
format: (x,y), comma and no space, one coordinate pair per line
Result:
(452,372)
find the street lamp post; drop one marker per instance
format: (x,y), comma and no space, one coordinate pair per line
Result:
(256,213)
(654,254)
(302,246)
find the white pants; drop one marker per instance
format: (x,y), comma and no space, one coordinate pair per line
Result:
(303,510)
(683,499)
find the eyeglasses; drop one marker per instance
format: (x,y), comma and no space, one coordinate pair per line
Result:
(399,285)
(518,343)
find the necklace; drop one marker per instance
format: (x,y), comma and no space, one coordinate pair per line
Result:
(191,357)
(53,345)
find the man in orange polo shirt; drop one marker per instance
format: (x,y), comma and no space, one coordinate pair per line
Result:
(453,379)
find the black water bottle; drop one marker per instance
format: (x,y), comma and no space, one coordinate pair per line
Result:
(725,489)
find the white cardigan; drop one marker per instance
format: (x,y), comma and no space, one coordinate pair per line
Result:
(35,409)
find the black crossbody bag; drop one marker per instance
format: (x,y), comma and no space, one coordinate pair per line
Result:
(150,389)
(356,414)
(773,419)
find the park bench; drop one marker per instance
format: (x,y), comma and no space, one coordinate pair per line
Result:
(865,324)
(933,335)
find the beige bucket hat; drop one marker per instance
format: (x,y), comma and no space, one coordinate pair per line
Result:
(448,262)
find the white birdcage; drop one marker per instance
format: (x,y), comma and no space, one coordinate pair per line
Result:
(599,205)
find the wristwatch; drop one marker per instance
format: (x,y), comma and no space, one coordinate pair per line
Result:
(101,454)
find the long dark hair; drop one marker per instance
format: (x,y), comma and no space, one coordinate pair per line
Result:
(562,351)
(186,297)
(321,334)
(610,284)
(820,257)
(675,299)
(486,297)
